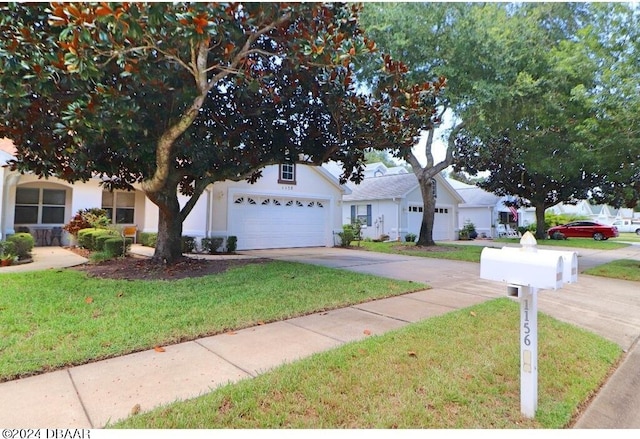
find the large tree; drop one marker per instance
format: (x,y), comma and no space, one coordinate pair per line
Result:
(176,96)
(519,86)
(414,33)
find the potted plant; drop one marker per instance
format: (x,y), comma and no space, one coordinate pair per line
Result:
(7,259)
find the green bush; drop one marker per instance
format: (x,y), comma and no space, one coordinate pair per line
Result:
(188,244)
(87,218)
(410,237)
(148,239)
(87,237)
(232,243)
(347,235)
(23,244)
(99,241)
(211,245)
(7,248)
(116,246)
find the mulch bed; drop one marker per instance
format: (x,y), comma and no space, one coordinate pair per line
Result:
(141,268)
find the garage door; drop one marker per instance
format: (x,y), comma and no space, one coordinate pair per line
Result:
(442,222)
(278,222)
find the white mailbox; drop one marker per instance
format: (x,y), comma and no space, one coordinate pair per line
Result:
(569,262)
(538,270)
(525,270)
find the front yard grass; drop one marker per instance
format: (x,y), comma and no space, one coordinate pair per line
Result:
(627,269)
(469,253)
(55,318)
(459,370)
(588,243)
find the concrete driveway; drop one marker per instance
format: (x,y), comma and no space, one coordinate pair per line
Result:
(608,307)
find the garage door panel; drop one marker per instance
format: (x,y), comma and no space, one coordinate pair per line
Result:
(441,222)
(265,222)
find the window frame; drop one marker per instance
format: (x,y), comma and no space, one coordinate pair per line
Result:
(284,172)
(40,206)
(113,209)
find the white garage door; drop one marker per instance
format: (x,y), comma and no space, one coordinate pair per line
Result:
(442,222)
(278,222)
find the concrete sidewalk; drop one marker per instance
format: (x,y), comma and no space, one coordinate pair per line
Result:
(95,394)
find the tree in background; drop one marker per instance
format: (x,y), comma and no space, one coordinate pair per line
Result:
(176,96)
(520,83)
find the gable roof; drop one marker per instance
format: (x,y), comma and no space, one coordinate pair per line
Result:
(475,196)
(382,188)
(388,187)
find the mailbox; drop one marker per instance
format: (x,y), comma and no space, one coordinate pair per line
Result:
(533,269)
(569,261)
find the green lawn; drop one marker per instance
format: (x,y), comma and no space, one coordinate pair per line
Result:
(627,269)
(469,253)
(627,237)
(588,243)
(459,370)
(54,318)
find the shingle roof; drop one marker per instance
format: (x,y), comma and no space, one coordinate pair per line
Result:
(380,188)
(475,196)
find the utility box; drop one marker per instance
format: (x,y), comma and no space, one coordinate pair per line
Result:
(536,270)
(569,261)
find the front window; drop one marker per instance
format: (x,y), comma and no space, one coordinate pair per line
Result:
(287,173)
(120,206)
(40,206)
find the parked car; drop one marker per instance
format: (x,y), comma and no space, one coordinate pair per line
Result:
(585,229)
(628,226)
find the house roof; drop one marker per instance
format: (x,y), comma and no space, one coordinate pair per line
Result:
(475,196)
(388,187)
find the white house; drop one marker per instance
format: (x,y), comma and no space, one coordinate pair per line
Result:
(602,213)
(487,211)
(290,206)
(392,205)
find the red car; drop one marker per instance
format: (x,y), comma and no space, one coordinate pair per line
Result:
(585,229)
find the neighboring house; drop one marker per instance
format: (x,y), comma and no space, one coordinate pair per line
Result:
(290,206)
(487,210)
(392,205)
(602,213)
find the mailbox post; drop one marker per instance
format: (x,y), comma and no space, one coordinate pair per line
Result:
(526,270)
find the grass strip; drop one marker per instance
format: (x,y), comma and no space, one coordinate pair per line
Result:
(626,269)
(459,370)
(56,318)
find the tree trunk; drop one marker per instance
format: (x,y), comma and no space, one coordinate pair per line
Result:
(541,232)
(169,243)
(428,212)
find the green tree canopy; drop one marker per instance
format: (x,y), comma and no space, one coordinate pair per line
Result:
(176,96)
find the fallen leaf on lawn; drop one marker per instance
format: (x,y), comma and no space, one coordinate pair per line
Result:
(158,349)
(260,322)
(412,354)
(473,314)
(367,332)
(89,300)
(135,409)
(120,294)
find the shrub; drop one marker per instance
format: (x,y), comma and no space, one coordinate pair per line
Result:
(384,237)
(188,244)
(211,245)
(232,243)
(148,239)
(86,219)
(87,237)
(468,231)
(99,241)
(7,248)
(116,246)
(410,237)
(23,244)
(347,235)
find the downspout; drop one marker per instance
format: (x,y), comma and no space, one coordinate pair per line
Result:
(207,227)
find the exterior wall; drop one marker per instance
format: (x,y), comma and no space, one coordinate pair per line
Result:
(210,215)
(391,217)
(311,183)
(483,218)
